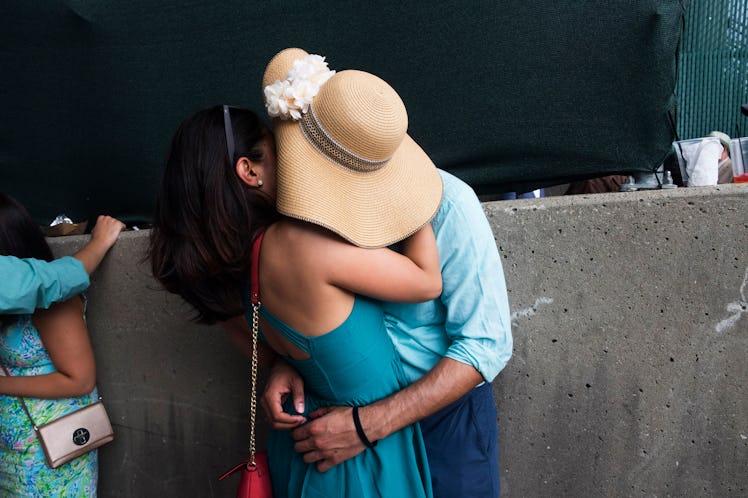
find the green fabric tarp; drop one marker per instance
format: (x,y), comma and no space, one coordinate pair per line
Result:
(508,95)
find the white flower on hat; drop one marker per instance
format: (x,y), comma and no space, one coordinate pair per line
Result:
(311,68)
(292,97)
(276,100)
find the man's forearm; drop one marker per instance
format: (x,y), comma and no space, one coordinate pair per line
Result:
(331,437)
(448,381)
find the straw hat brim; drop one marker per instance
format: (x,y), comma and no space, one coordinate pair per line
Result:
(370,210)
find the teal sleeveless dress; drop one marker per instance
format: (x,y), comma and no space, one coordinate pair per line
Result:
(354,364)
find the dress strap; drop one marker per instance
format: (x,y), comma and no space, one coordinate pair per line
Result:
(292,335)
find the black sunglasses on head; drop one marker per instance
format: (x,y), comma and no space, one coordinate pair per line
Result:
(229,132)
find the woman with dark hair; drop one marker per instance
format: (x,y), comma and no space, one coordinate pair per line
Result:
(319,292)
(206,217)
(49,357)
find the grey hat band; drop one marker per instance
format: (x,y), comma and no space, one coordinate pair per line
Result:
(318,137)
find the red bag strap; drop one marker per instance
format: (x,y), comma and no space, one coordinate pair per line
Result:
(254,271)
(250,465)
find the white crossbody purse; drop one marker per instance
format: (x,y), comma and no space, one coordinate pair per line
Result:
(72,435)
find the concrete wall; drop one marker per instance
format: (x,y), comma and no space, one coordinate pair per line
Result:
(628,377)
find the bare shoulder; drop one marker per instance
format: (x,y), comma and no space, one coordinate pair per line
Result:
(72,309)
(306,237)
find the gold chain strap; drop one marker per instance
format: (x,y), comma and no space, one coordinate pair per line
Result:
(253,394)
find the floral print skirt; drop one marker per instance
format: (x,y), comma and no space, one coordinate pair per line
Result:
(24,472)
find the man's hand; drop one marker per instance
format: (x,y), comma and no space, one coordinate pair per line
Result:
(283,381)
(330,438)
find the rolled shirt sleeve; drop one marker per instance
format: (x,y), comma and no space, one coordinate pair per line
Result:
(470,322)
(27,284)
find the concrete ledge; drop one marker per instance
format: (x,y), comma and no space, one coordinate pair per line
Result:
(631,331)
(628,376)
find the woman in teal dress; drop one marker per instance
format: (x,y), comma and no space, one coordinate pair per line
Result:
(218,191)
(349,182)
(51,363)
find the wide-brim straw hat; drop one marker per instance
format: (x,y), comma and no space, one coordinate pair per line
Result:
(348,163)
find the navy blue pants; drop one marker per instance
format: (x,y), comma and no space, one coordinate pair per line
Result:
(462,443)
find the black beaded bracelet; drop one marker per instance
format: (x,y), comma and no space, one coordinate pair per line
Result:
(360,430)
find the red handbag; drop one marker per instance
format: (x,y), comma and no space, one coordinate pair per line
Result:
(255,480)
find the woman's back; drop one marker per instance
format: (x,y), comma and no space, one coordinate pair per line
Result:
(309,277)
(295,266)
(353,364)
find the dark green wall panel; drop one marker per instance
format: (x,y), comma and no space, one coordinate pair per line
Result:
(509,95)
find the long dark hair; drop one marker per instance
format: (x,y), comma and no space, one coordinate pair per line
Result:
(206,217)
(20,236)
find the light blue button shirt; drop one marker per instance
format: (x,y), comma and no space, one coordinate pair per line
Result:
(27,284)
(470,322)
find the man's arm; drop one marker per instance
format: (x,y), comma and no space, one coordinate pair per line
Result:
(447,382)
(331,438)
(477,325)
